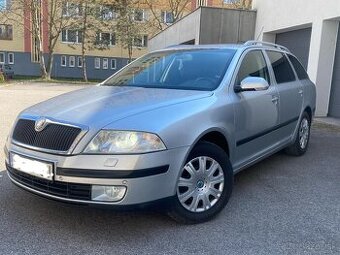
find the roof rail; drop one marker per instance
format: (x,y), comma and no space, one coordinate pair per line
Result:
(273,45)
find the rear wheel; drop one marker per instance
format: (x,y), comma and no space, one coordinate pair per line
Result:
(300,145)
(204,185)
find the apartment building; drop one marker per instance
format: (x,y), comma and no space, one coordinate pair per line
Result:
(18,48)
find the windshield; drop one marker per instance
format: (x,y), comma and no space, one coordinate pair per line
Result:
(186,69)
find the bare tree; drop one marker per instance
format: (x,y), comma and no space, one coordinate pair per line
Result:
(241,4)
(18,14)
(57,23)
(175,8)
(40,13)
(129,25)
(96,18)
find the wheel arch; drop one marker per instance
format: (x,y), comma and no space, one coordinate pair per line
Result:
(309,111)
(217,138)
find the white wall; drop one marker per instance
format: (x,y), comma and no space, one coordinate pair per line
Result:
(275,16)
(184,30)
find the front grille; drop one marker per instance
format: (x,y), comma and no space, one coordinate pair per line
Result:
(55,137)
(59,189)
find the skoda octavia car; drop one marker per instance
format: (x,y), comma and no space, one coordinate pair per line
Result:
(175,125)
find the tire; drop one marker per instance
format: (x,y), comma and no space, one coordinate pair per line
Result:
(210,189)
(298,148)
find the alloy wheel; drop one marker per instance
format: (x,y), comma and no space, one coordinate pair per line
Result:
(304,133)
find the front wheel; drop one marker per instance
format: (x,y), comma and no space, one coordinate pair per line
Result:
(204,185)
(300,145)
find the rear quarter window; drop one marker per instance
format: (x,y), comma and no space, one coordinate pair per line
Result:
(300,70)
(282,69)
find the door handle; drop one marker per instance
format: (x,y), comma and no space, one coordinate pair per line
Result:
(301,92)
(275,99)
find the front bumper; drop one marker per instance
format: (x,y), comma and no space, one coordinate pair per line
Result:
(148,177)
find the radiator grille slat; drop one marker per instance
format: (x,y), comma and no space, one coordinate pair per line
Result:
(55,137)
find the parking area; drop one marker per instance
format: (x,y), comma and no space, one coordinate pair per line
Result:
(283,205)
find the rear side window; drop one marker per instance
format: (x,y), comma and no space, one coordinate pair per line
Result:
(300,70)
(281,66)
(253,65)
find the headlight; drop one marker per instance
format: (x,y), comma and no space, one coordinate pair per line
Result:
(124,142)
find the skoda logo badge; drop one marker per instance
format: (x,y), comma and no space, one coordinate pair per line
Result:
(40,124)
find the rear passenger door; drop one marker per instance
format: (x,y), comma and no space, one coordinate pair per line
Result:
(290,92)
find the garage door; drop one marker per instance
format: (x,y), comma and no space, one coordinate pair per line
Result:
(298,42)
(334,102)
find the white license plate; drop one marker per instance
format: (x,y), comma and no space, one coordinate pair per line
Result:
(30,166)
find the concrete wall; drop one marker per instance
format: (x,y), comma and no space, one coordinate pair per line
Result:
(208,26)
(276,16)
(184,30)
(226,26)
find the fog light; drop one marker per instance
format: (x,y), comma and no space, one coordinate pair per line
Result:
(108,193)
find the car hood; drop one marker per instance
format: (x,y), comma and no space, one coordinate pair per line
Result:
(99,106)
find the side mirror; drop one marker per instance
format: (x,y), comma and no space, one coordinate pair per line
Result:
(252,84)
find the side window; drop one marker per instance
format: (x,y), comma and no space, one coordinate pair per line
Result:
(300,70)
(282,69)
(253,65)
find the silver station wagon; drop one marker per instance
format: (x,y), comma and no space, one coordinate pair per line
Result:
(172,127)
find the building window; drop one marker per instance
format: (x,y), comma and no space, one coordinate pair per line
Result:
(201,3)
(71,36)
(2,58)
(230,1)
(6,32)
(139,15)
(113,64)
(80,62)
(106,39)
(63,61)
(105,63)
(140,41)
(11,58)
(72,9)
(97,63)
(5,5)
(167,17)
(72,61)
(107,12)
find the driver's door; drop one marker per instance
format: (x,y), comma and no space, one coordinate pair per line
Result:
(256,112)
